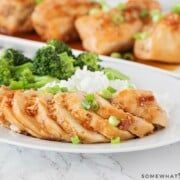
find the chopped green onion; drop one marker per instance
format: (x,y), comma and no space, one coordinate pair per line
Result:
(38,1)
(117,18)
(64,89)
(115,140)
(104,6)
(156,15)
(121,6)
(94,106)
(94,11)
(128,56)
(90,103)
(85,104)
(176,9)
(113,121)
(75,139)
(107,93)
(144,13)
(113,74)
(116,55)
(111,89)
(141,35)
(90,97)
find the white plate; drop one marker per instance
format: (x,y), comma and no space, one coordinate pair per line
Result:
(144,77)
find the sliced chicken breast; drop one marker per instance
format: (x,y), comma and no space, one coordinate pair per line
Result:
(162,42)
(72,126)
(15,16)
(25,109)
(90,120)
(50,123)
(133,124)
(142,104)
(55,19)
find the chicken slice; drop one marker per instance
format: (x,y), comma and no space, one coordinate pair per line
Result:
(55,19)
(90,120)
(72,126)
(133,124)
(141,103)
(25,109)
(107,32)
(9,115)
(3,121)
(49,122)
(15,16)
(162,42)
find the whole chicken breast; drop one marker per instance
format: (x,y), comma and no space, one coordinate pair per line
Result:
(142,104)
(55,19)
(15,16)
(106,32)
(162,42)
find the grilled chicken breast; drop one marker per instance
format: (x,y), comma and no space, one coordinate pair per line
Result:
(47,117)
(15,16)
(89,119)
(142,104)
(163,41)
(72,126)
(133,124)
(62,116)
(55,19)
(104,33)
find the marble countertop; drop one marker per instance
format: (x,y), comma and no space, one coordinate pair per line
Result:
(18,163)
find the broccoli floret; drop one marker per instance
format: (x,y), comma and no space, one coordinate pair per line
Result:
(15,57)
(38,82)
(60,47)
(5,72)
(50,62)
(90,60)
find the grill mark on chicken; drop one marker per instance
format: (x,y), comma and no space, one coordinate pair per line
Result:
(145,100)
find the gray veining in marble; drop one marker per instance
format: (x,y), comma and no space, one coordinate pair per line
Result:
(18,163)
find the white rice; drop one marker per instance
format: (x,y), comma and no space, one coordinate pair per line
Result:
(91,82)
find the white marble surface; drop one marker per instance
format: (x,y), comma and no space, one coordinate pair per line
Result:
(18,163)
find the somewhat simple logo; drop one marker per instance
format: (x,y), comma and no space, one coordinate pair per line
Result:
(160,176)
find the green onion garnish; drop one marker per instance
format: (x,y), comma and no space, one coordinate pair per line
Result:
(38,1)
(113,74)
(144,13)
(128,56)
(156,15)
(117,18)
(141,35)
(176,9)
(114,121)
(107,93)
(116,55)
(121,6)
(75,139)
(94,11)
(115,140)
(89,102)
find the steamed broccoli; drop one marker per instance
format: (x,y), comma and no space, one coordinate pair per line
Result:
(90,60)
(50,60)
(60,47)
(5,72)
(15,57)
